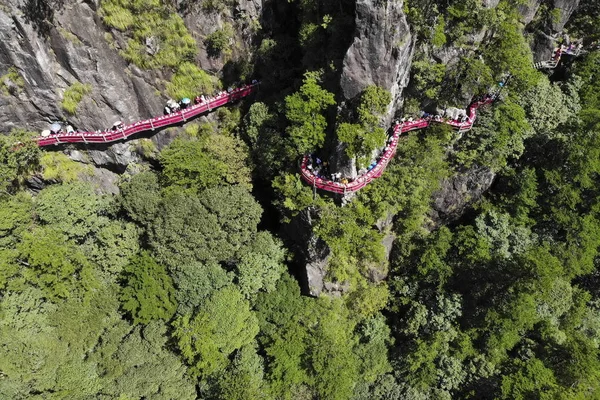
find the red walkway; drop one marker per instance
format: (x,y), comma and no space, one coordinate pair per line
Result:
(352,186)
(149,124)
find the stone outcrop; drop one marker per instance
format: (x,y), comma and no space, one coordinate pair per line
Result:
(458,193)
(73,49)
(78,47)
(381,53)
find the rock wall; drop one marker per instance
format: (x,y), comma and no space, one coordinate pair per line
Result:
(77,47)
(73,49)
(457,194)
(381,53)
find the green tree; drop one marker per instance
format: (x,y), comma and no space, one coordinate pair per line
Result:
(187,164)
(243,379)
(224,324)
(113,245)
(15,218)
(141,197)
(53,264)
(148,292)
(261,264)
(209,161)
(19,157)
(195,282)
(530,379)
(72,208)
(138,364)
(304,110)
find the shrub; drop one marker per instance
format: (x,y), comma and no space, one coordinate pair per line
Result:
(438,38)
(159,37)
(11,82)
(73,95)
(190,81)
(57,166)
(217,43)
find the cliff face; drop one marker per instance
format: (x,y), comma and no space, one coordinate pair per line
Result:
(52,50)
(375,58)
(73,49)
(381,53)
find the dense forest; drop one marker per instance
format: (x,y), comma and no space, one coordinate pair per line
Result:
(189,282)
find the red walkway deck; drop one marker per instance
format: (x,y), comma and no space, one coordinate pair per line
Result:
(149,124)
(337,187)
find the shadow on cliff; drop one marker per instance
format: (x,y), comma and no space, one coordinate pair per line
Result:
(40,14)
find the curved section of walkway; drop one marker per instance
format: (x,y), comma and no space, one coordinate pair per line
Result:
(150,124)
(388,153)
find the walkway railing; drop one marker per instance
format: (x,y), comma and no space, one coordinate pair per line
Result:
(361,181)
(150,124)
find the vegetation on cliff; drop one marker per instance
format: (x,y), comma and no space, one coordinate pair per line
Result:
(180,286)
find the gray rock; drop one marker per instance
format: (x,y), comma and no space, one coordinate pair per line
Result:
(490,3)
(115,158)
(103,181)
(381,53)
(74,49)
(566,7)
(458,193)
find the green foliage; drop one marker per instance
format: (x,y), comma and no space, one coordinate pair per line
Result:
(73,96)
(508,52)
(113,245)
(15,217)
(11,83)
(295,195)
(219,41)
(83,348)
(428,77)
(53,264)
(209,161)
(159,37)
(78,217)
(304,110)
(438,38)
(209,227)
(19,157)
(261,266)
(190,81)
(195,282)
(547,107)
(59,167)
(148,292)
(306,342)
(141,198)
(269,149)
(496,138)
(363,138)
(589,69)
(224,324)
(244,377)
(257,117)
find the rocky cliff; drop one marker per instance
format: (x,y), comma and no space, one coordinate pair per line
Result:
(375,58)
(52,49)
(381,52)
